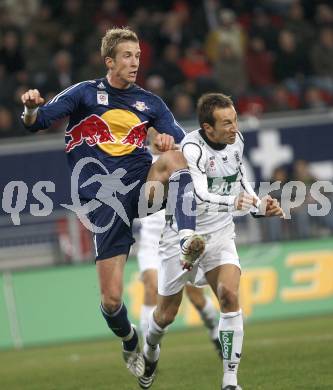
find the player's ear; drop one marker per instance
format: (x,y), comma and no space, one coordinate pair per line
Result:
(109,62)
(207,128)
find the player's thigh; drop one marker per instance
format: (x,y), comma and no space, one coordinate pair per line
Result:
(196,295)
(149,278)
(156,187)
(110,276)
(226,276)
(167,163)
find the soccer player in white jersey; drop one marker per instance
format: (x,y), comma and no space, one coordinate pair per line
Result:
(148,259)
(214,157)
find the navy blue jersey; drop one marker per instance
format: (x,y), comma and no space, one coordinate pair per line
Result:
(108,124)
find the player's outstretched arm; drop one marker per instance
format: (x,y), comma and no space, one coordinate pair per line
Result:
(31,100)
(60,106)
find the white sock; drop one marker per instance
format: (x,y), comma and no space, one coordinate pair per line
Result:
(231,337)
(184,233)
(151,348)
(209,317)
(144,319)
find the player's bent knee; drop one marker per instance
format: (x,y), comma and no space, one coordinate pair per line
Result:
(166,317)
(229,297)
(111,302)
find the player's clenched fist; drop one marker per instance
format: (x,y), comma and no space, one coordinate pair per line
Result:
(164,142)
(245,201)
(32,99)
(273,208)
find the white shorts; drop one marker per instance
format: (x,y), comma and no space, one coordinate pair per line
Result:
(220,250)
(150,235)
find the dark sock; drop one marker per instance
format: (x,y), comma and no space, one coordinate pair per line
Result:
(117,321)
(181,201)
(131,344)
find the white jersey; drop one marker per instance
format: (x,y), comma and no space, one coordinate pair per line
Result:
(218,177)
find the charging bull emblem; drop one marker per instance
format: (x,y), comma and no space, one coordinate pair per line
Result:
(137,135)
(92,130)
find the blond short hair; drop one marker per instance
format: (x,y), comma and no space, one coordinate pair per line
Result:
(113,37)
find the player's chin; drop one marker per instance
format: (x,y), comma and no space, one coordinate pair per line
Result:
(132,77)
(231,140)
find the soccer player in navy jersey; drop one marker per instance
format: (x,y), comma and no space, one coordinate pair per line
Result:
(108,123)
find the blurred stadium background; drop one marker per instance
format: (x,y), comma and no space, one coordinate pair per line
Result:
(275,58)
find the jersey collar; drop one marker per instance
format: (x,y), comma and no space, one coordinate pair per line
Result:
(210,143)
(118,90)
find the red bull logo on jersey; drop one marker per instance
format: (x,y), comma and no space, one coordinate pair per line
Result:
(93,130)
(136,136)
(117,132)
(128,129)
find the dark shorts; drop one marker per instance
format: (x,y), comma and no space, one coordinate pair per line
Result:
(118,238)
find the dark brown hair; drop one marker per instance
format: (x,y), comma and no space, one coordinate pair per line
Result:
(208,103)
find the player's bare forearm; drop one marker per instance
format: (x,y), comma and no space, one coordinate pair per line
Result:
(31,100)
